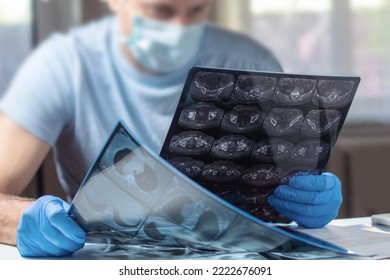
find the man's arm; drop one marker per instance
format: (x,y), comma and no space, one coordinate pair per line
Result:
(12,208)
(41,227)
(21,154)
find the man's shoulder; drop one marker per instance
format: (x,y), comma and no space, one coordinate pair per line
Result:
(238,49)
(91,37)
(95,34)
(232,41)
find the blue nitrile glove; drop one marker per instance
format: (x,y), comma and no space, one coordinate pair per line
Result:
(310,200)
(46,229)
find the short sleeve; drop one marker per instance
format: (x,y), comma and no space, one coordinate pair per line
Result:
(227,49)
(40,96)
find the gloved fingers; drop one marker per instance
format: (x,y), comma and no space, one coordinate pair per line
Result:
(323,182)
(310,222)
(27,248)
(307,197)
(305,221)
(65,245)
(32,243)
(65,205)
(45,229)
(304,210)
(58,217)
(42,247)
(62,231)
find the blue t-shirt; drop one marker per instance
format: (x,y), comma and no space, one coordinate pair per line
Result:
(74,88)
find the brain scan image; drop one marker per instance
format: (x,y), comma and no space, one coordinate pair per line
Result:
(141,176)
(243,119)
(209,86)
(191,143)
(117,152)
(178,208)
(189,210)
(222,171)
(321,122)
(188,166)
(310,151)
(333,93)
(272,150)
(294,91)
(254,89)
(283,121)
(262,175)
(208,225)
(232,147)
(201,116)
(138,175)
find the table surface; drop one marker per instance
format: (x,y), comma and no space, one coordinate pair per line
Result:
(11,253)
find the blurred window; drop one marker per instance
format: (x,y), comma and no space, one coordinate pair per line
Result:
(335,37)
(15,37)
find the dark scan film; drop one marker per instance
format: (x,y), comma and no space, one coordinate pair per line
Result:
(240,134)
(134,205)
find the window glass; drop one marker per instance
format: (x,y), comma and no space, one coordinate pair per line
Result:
(15,37)
(334,37)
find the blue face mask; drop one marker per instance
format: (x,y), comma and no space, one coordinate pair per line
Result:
(162,47)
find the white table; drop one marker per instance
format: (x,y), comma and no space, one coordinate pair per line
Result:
(330,232)
(357,235)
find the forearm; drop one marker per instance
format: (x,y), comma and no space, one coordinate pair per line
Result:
(11,210)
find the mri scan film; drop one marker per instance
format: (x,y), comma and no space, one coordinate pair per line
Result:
(135,205)
(253,131)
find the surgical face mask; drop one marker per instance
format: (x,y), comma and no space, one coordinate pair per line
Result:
(163,47)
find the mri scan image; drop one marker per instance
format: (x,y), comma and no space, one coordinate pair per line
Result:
(272,150)
(232,147)
(201,116)
(310,151)
(241,197)
(243,119)
(177,218)
(265,128)
(294,91)
(262,175)
(132,197)
(251,89)
(264,212)
(222,171)
(297,171)
(211,86)
(190,167)
(321,122)
(333,93)
(191,143)
(283,121)
(234,137)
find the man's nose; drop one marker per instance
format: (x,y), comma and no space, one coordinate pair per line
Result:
(181,20)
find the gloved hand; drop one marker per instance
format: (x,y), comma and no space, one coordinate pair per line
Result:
(311,201)
(46,229)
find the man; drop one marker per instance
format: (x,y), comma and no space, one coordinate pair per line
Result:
(73,89)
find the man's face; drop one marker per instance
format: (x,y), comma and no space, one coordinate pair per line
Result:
(181,12)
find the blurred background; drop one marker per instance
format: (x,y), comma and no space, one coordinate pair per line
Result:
(326,37)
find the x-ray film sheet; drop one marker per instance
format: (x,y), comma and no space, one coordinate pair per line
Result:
(240,134)
(132,200)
